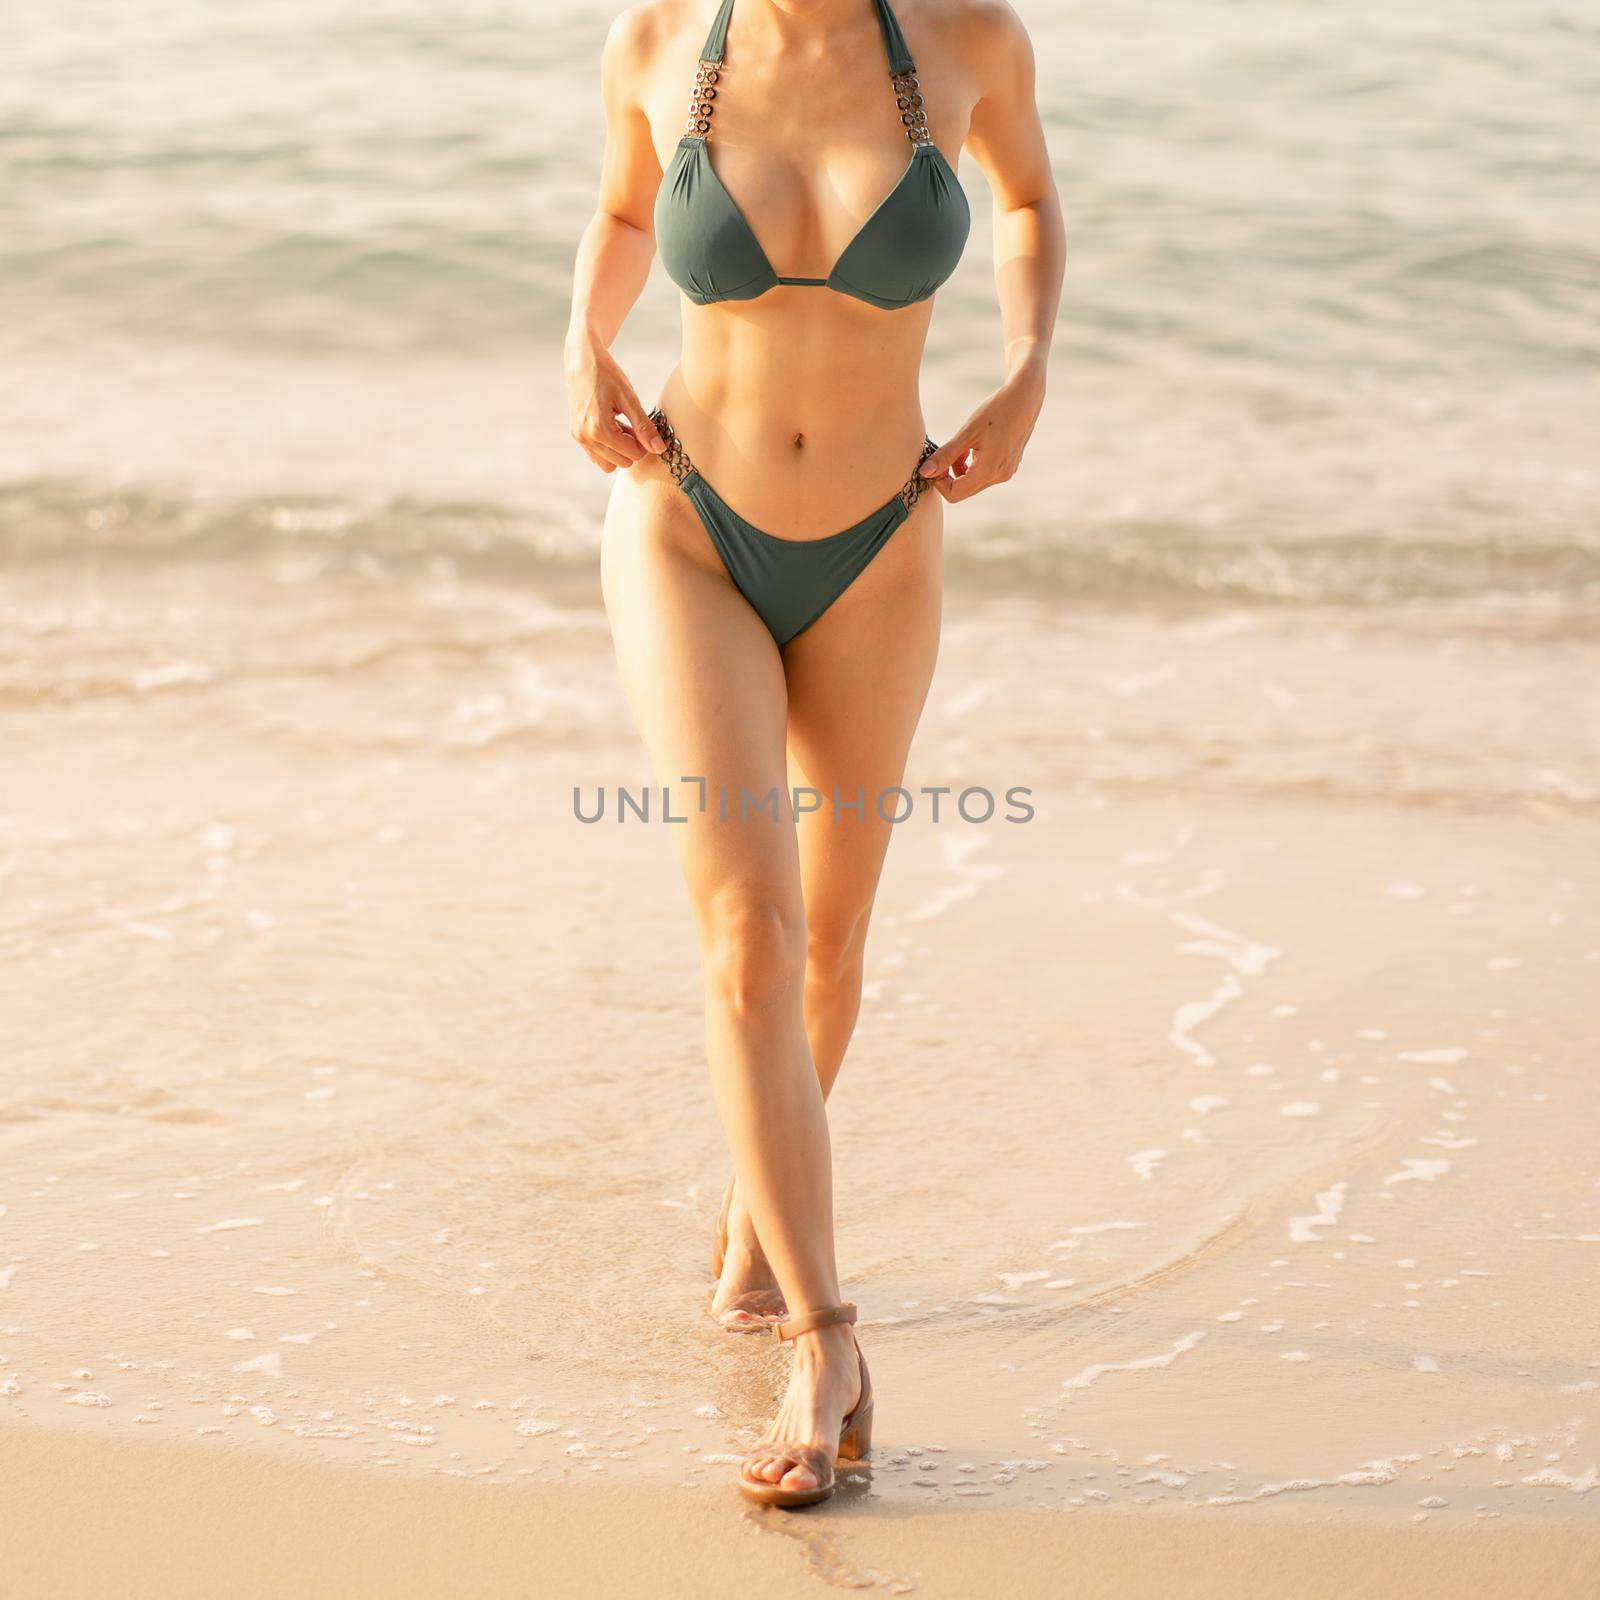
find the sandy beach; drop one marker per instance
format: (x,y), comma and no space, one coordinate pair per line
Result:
(183,1524)
(1298,1236)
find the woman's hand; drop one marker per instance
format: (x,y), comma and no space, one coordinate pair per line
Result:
(987,448)
(607,418)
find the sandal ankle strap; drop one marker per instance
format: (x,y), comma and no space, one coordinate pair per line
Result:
(810,1321)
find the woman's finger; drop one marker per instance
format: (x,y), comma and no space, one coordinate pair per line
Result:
(643,430)
(599,449)
(977,475)
(944,459)
(966,467)
(613,434)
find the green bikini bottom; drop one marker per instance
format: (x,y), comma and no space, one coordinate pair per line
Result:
(789,582)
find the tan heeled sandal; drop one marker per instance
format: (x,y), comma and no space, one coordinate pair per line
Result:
(758,1323)
(855,1431)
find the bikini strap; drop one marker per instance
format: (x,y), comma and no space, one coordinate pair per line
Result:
(717,39)
(894,42)
(702,98)
(916,485)
(902,75)
(675,456)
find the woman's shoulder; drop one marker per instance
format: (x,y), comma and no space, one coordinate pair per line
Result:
(640,32)
(975,25)
(640,39)
(986,37)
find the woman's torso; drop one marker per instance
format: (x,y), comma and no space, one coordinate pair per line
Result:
(801,406)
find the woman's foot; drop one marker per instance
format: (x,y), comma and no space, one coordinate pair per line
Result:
(747,1297)
(797,1451)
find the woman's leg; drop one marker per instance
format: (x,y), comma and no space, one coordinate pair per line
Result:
(707,689)
(857,680)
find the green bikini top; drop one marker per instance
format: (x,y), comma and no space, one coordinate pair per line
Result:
(902,252)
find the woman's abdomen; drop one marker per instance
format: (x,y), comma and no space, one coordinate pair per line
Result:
(801,409)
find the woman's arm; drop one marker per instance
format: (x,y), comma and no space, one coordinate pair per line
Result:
(614,261)
(1007,141)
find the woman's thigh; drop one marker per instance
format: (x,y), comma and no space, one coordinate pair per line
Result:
(706,687)
(857,681)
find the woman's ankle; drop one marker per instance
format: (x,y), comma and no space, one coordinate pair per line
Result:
(824,1347)
(742,1231)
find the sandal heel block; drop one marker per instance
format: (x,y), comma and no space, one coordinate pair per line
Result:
(855,1430)
(855,1442)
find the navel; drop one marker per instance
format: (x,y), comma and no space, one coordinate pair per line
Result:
(799,441)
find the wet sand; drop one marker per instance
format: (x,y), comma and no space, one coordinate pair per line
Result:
(1216,1154)
(191,1523)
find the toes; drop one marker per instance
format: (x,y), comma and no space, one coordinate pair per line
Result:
(743,1322)
(799,1477)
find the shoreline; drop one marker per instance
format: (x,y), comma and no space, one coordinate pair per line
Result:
(137,1518)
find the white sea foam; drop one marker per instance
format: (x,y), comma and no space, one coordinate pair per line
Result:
(1418,1169)
(1076,1236)
(1441,1058)
(1330,1202)
(1554,1478)
(1145,1162)
(1092,1375)
(1192,1013)
(1015,1280)
(228,1224)
(1244,954)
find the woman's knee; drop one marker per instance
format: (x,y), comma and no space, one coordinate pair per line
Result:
(754,947)
(836,943)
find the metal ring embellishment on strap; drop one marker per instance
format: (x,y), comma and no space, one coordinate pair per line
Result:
(675,456)
(702,99)
(908,97)
(917,485)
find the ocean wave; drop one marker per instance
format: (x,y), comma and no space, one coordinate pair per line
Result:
(63,523)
